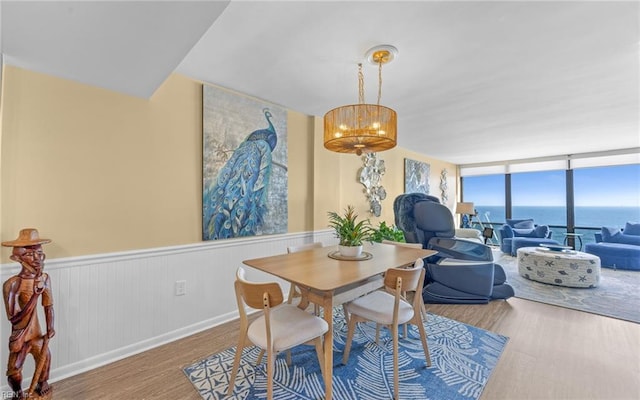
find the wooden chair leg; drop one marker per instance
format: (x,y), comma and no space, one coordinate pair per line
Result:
(320,353)
(423,338)
(347,345)
(396,378)
(236,362)
(270,367)
(260,355)
(346,313)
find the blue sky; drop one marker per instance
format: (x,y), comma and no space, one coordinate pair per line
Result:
(617,186)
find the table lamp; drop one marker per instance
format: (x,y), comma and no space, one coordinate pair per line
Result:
(467,211)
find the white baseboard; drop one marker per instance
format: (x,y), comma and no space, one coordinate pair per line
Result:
(112,306)
(137,348)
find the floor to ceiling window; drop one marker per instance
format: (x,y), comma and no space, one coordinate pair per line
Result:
(607,196)
(541,196)
(597,191)
(487,194)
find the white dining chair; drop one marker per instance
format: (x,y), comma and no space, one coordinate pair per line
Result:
(390,308)
(413,246)
(281,327)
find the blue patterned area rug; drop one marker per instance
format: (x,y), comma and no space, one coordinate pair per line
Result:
(616,296)
(462,358)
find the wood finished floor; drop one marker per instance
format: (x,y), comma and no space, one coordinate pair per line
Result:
(553,353)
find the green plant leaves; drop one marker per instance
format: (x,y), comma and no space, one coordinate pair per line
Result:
(348,229)
(385,232)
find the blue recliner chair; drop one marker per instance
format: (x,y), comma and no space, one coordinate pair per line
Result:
(518,233)
(462,272)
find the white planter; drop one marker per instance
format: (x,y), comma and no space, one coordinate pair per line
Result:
(350,251)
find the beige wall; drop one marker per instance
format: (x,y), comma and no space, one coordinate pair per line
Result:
(337,181)
(392,181)
(300,171)
(98,172)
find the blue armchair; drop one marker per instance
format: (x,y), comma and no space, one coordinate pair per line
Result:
(523,228)
(463,271)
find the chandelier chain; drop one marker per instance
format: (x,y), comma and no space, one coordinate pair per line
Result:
(379,81)
(360,85)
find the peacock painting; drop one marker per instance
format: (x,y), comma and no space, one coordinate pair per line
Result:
(244,167)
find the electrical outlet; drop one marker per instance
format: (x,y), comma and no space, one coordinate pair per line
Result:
(181,288)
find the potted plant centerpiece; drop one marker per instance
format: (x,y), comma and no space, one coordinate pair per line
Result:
(350,231)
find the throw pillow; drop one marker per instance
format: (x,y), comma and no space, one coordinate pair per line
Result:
(626,239)
(542,231)
(632,228)
(615,235)
(524,224)
(608,233)
(506,231)
(525,232)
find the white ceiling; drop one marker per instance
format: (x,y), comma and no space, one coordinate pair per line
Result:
(474,81)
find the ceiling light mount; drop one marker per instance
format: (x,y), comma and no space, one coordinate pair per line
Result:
(381,54)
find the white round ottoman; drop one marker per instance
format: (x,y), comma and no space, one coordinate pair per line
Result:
(571,268)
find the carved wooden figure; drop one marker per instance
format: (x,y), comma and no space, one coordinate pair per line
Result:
(21,295)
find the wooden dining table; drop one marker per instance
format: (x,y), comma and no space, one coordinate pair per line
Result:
(327,281)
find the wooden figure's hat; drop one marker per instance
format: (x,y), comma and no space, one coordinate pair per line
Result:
(27,237)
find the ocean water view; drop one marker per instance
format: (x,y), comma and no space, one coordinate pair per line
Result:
(604,195)
(589,217)
(593,218)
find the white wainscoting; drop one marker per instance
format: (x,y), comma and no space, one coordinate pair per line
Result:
(111,306)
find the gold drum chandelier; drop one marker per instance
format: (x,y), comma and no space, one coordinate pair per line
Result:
(363,128)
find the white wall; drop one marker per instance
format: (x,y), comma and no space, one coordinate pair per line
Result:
(111,306)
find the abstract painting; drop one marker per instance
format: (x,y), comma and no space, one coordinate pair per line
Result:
(244,166)
(416,176)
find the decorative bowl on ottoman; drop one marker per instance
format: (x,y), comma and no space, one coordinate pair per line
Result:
(554,247)
(518,242)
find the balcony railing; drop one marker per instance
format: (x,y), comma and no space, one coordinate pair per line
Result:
(559,231)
